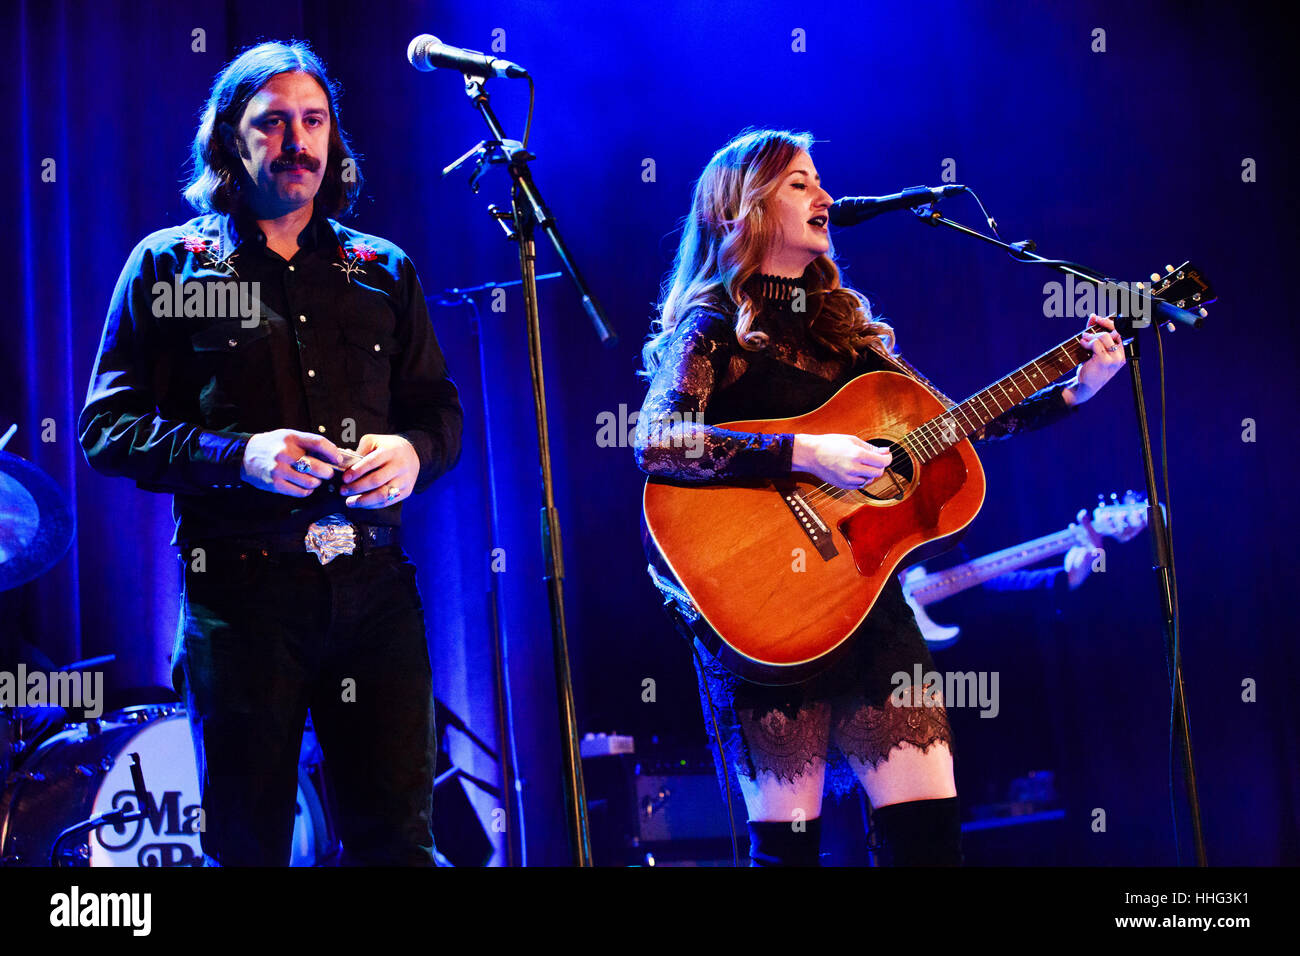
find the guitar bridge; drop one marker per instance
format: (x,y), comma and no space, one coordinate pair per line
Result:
(813,526)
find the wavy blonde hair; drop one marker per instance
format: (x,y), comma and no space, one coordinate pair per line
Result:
(729,229)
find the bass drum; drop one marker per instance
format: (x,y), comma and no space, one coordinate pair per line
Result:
(85,771)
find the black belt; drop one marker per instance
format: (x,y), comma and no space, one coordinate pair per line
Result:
(365,537)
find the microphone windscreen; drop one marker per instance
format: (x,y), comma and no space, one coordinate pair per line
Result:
(845,212)
(417,51)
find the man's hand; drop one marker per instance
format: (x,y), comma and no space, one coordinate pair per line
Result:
(270,461)
(1079,559)
(385,474)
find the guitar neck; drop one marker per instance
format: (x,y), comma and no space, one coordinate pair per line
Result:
(928,441)
(941,584)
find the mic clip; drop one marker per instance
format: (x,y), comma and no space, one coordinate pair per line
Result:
(927,212)
(486,153)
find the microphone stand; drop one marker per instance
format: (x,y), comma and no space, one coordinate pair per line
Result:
(529,212)
(145,808)
(1161,543)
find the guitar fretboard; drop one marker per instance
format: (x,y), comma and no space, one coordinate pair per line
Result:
(940,433)
(941,584)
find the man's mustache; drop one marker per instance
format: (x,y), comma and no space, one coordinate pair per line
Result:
(295,162)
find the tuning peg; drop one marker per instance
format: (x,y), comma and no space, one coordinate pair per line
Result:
(1155,277)
(1169,268)
(1203,312)
(1169,326)
(1114,497)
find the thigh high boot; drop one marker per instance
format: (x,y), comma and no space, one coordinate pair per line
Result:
(920,832)
(777,843)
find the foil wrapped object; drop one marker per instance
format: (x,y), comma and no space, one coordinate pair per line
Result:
(331,536)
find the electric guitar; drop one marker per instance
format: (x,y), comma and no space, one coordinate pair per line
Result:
(774,576)
(1115,520)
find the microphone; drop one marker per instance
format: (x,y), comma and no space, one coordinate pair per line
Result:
(851,210)
(427,52)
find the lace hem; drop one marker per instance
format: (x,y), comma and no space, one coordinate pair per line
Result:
(789,745)
(785,745)
(871,733)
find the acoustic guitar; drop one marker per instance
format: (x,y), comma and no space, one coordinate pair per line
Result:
(774,576)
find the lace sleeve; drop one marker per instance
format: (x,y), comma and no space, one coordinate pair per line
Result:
(1037,411)
(672,440)
(1043,408)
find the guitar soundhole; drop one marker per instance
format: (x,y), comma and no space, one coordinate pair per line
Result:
(899,478)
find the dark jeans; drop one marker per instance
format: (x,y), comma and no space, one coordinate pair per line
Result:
(265,637)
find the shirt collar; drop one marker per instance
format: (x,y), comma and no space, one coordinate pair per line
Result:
(241,228)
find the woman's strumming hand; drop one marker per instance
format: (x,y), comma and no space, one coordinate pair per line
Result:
(844,461)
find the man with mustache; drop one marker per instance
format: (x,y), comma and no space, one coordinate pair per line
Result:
(289,438)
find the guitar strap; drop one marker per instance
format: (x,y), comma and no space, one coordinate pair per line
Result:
(908,369)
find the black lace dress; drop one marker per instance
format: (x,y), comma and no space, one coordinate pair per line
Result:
(705,377)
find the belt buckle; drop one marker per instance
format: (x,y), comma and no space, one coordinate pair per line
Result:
(331,536)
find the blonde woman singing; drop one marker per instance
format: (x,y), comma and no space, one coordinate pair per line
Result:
(754,323)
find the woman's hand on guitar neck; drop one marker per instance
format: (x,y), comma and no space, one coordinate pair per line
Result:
(844,461)
(1107,358)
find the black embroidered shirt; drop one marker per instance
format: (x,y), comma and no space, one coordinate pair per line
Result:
(211,337)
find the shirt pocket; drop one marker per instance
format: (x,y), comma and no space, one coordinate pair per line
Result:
(369,355)
(234,369)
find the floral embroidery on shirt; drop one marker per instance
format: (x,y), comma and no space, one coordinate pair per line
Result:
(209,255)
(360,252)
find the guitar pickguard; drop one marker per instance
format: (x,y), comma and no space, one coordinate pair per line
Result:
(878,534)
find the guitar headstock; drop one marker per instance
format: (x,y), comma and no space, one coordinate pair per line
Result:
(1184,287)
(1120,519)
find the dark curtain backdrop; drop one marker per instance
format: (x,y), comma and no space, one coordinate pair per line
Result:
(1126,160)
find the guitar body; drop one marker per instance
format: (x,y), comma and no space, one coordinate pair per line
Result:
(783,572)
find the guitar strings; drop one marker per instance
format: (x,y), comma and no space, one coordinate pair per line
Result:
(926,431)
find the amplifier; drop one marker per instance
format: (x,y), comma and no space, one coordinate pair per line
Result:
(661,810)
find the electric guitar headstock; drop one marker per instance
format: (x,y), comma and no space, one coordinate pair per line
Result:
(1121,519)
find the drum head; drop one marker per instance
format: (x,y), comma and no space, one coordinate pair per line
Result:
(84,775)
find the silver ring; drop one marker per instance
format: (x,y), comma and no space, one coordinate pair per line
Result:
(302,465)
(1111,348)
(392,492)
